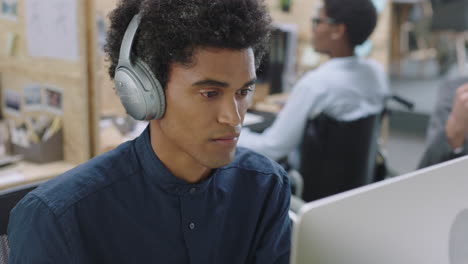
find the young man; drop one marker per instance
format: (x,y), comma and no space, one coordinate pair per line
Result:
(181,192)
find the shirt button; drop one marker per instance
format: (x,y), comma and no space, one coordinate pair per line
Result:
(192,226)
(193,190)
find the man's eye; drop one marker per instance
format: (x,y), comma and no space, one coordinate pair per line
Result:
(209,94)
(245,91)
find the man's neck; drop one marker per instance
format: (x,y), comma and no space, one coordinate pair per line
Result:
(179,163)
(341,51)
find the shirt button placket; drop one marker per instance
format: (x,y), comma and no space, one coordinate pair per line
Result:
(193,190)
(192,219)
(192,226)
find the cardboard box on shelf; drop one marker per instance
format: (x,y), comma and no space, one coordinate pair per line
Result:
(43,151)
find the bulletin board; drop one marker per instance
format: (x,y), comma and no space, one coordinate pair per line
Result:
(27,61)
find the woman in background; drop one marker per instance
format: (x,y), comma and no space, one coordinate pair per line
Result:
(346,87)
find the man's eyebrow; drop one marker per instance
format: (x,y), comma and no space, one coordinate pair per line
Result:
(251,82)
(211,82)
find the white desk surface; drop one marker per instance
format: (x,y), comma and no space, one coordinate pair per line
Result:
(25,172)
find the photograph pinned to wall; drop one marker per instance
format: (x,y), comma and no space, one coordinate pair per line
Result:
(54,100)
(8,9)
(12,102)
(33,98)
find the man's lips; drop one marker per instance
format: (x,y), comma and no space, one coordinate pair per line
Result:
(226,138)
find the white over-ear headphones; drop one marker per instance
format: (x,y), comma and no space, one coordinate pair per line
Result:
(139,90)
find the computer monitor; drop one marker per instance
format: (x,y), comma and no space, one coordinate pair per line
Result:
(277,67)
(421,218)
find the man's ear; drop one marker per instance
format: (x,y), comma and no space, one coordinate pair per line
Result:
(338,32)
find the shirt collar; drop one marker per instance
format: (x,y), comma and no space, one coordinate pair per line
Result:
(156,173)
(343,59)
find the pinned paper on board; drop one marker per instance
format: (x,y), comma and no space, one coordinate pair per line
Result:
(11,43)
(54,100)
(52,29)
(33,98)
(12,102)
(8,9)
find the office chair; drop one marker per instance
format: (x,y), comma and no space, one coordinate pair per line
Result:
(8,199)
(337,156)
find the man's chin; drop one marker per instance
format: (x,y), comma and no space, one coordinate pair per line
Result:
(221,160)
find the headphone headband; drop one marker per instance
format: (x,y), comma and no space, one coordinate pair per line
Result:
(138,88)
(127,42)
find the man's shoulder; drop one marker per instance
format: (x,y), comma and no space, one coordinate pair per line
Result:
(253,162)
(90,177)
(373,63)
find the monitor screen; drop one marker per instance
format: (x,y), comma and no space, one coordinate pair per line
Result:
(421,217)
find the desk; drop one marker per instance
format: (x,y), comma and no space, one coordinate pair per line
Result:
(25,172)
(268,119)
(268,108)
(272,103)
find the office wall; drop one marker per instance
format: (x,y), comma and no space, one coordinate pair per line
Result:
(19,69)
(111,105)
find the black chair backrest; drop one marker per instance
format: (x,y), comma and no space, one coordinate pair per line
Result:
(8,199)
(337,156)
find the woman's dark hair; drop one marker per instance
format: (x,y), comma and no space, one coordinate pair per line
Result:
(171,30)
(359,17)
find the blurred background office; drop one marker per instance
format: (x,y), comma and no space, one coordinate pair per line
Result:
(58,106)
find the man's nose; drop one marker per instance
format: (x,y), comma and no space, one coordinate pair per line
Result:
(229,113)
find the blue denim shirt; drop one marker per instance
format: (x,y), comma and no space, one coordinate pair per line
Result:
(126,207)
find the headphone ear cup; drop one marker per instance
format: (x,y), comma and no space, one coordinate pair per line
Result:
(130,92)
(139,90)
(155,101)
